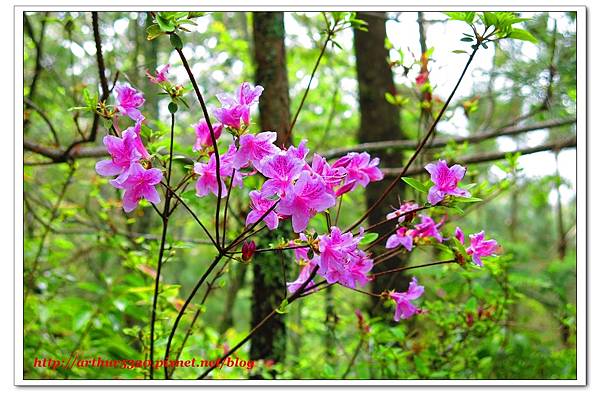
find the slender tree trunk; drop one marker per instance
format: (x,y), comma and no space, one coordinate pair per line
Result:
(269,268)
(379,120)
(562,241)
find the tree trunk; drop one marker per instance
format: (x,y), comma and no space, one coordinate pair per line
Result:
(269,268)
(379,120)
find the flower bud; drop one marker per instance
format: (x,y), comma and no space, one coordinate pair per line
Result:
(248,249)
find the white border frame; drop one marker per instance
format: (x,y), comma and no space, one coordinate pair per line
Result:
(581,185)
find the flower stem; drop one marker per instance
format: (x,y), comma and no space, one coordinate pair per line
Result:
(161,251)
(419,148)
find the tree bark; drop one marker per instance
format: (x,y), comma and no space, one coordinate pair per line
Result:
(269,342)
(379,120)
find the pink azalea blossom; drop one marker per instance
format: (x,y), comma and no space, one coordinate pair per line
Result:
(301,151)
(403,236)
(301,254)
(253,148)
(139,145)
(282,168)
(244,95)
(123,152)
(404,306)
(139,184)
(203,138)
(128,101)
(428,228)
(460,236)
(161,75)
(207,180)
(236,109)
(260,204)
(335,249)
(304,275)
(480,247)
(332,177)
(232,117)
(445,181)
(404,208)
(304,199)
(360,170)
(356,271)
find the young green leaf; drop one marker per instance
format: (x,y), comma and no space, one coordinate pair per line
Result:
(415,184)
(520,34)
(368,238)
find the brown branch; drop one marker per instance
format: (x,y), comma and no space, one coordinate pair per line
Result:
(477,138)
(493,156)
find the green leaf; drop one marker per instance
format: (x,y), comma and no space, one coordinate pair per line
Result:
(165,25)
(415,184)
(368,238)
(196,14)
(459,51)
(520,34)
(471,305)
(176,41)
(153,32)
(467,199)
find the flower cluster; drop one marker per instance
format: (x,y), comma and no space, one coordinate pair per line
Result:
(338,259)
(293,188)
(130,161)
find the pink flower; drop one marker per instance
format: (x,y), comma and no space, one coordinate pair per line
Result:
(203,138)
(445,181)
(404,208)
(335,250)
(480,247)
(161,75)
(282,168)
(332,177)
(260,204)
(356,271)
(304,275)
(128,100)
(253,148)
(301,254)
(139,145)
(460,236)
(304,199)
(244,95)
(403,236)
(236,109)
(428,228)
(207,180)
(139,184)
(360,170)
(301,151)
(123,152)
(404,307)
(232,117)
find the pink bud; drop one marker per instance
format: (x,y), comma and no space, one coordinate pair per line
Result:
(248,249)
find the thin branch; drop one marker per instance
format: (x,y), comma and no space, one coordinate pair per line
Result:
(477,138)
(493,156)
(212,137)
(422,144)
